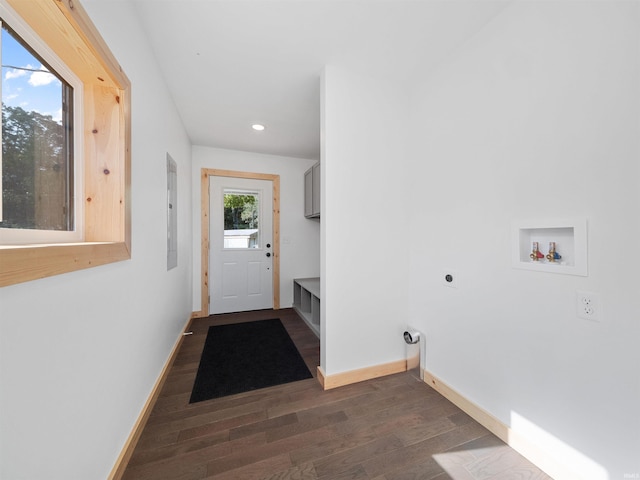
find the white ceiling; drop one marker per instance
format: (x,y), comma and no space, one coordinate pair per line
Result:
(232,63)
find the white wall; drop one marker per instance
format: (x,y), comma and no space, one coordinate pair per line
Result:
(80,352)
(536,117)
(299,236)
(364,272)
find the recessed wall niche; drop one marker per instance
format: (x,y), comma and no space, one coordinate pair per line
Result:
(569,236)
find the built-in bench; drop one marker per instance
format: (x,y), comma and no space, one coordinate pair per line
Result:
(306,301)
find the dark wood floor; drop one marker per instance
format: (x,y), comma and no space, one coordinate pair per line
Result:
(392,428)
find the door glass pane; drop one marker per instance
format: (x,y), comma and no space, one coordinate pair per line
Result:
(241,212)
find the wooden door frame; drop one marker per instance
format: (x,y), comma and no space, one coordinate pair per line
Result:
(205,175)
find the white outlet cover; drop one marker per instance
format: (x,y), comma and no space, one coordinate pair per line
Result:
(588,306)
(450,278)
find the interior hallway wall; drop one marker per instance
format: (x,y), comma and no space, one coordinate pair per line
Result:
(537,117)
(80,352)
(299,236)
(364,234)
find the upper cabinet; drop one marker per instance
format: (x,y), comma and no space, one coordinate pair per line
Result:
(312,192)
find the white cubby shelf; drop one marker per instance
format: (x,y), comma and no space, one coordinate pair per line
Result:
(306,301)
(569,235)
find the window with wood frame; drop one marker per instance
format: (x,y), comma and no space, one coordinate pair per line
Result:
(38,175)
(101,149)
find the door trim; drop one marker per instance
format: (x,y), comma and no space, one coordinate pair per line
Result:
(204,219)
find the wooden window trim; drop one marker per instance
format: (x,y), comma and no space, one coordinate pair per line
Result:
(67,29)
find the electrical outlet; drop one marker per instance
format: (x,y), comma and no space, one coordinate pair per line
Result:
(587,305)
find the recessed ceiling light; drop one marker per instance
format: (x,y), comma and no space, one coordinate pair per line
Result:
(258,127)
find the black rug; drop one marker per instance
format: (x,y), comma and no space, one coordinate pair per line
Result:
(246,356)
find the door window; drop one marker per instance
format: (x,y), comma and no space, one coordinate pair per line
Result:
(241,219)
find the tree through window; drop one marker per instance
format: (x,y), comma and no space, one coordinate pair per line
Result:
(37,155)
(241,212)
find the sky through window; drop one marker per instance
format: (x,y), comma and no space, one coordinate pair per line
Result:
(26,82)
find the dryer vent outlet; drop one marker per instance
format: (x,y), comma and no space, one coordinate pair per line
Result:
(415,352)
(411,337)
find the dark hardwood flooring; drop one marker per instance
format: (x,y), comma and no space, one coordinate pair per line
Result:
(391,428)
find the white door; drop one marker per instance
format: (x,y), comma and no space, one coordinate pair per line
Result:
(241,261)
